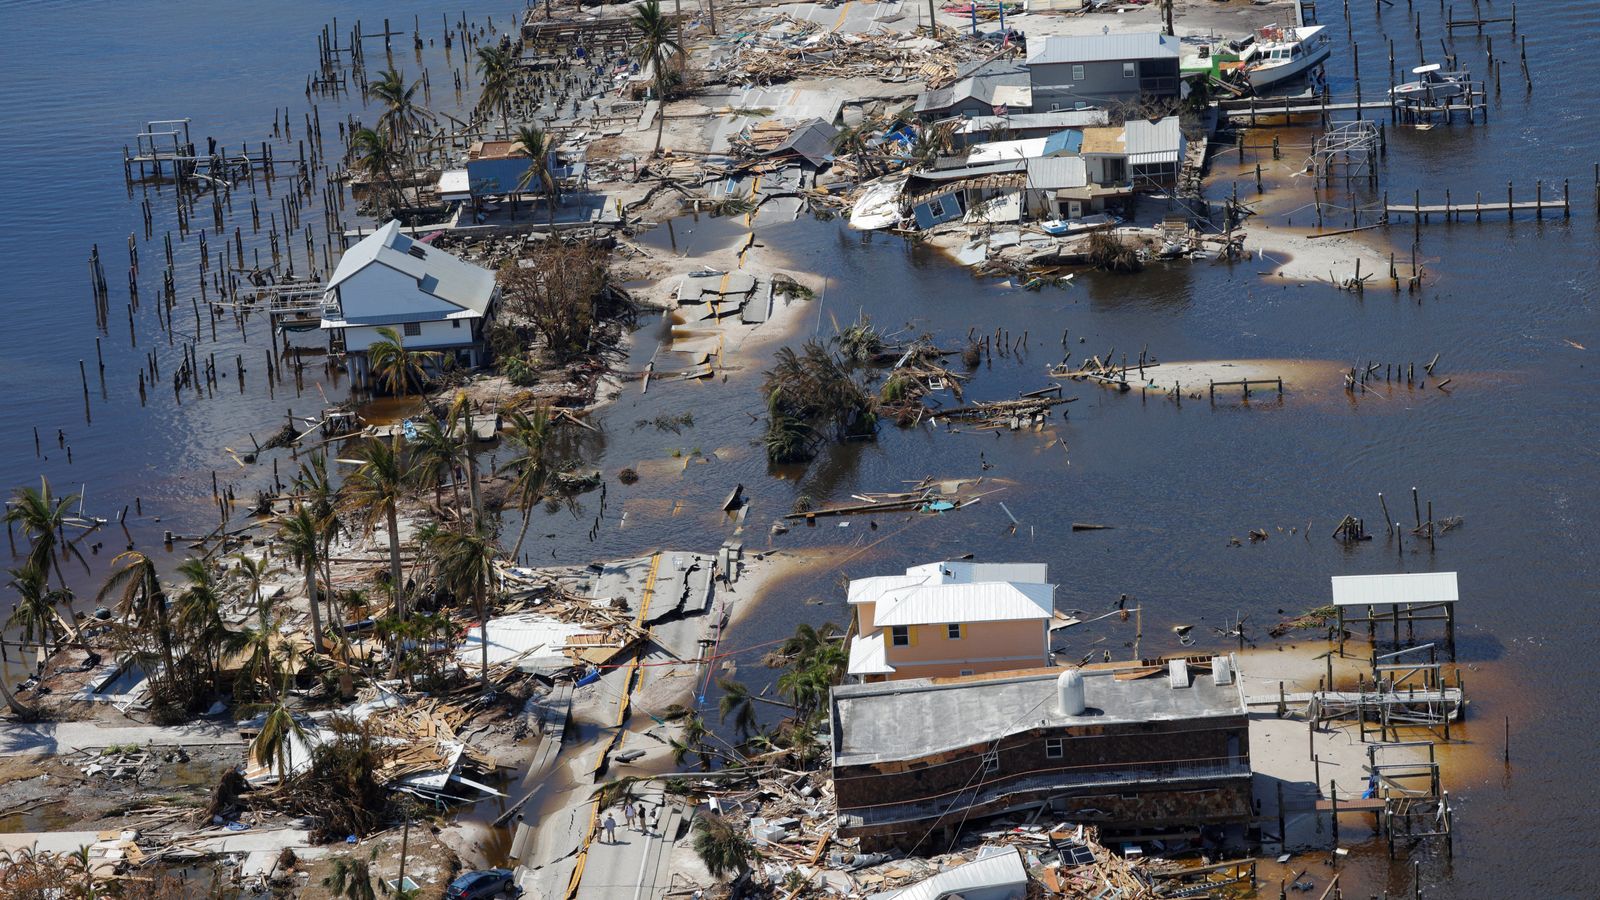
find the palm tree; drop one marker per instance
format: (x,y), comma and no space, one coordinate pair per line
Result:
(395,367)
(435,454)
(34,617)
(274,743)
(373,493)
(197,611)
(351,878)
(377,156)
(721,845)
(262,668)
(852,141)
(255,570)
(738,702)
(498,66)
(465,563)
(654,48)
(530,433)
(302,536)
(142,601)
(807,640)
(43,518)
(402,114)
(540,149)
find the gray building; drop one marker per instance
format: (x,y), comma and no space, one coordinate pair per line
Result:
(997,85)
(1080,72)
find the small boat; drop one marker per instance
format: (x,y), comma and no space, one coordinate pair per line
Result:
(1080,225)
(1431,85)
(878,206)
(1279,54)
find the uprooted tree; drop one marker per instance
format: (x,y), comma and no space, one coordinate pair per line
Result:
(813,397)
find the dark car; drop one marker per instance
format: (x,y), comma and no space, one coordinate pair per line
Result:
(482,885)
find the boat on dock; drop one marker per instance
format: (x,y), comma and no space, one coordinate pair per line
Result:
(1080,225)
(1279,54)
(1431,86)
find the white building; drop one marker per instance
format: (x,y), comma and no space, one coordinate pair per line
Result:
(433,300)
(951,618)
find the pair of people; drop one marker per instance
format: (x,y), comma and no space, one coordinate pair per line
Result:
(634,813)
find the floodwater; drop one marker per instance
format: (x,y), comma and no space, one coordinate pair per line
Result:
(1512,446)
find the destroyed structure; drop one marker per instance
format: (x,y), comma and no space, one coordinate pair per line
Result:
(1123,747)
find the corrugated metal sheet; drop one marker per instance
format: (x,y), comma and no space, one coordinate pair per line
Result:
(1054,173)
(1152,142)
(1423,587)
(871,590)
(1065,118)
(986,602)
(995,151)
(996,873)
(437,273)
(965,571)
(1059,48)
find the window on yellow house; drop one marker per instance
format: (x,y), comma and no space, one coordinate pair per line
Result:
(953,631)
(900,635)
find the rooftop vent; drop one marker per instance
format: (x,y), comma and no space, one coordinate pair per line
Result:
(1178,673)
(1222,669)
(1069,693)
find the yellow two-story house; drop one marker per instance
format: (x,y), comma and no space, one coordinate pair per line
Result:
(951,618)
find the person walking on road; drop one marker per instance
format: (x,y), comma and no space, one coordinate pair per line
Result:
(611,829)
(627,812)
(636,811)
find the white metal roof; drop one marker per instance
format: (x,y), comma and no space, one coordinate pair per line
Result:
(436,272)
(995,601)
(1062,118)
(1065,48)
(454,184)
(1054,173)
(997,873)
(963,571)
(520,636)
(1152,142)
(1416,589)
(867,655)
(871,590)
(1027,148)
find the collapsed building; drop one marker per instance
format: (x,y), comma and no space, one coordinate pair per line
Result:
(1130,748)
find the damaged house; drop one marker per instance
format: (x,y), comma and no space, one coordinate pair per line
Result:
(1152,749)
(996,87)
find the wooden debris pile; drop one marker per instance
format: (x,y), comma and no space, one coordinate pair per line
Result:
(782,48)
(426,737)
(1008,414)
(928,496)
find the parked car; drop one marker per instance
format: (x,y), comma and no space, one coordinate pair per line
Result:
(482,885)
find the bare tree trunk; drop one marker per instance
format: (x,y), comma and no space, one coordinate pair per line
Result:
(311,597)
(661,106)
(399,604)
(483,645)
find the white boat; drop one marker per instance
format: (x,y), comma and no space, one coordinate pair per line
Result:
(878,206)
(1080,225)
(1431,85)
(1280,54)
